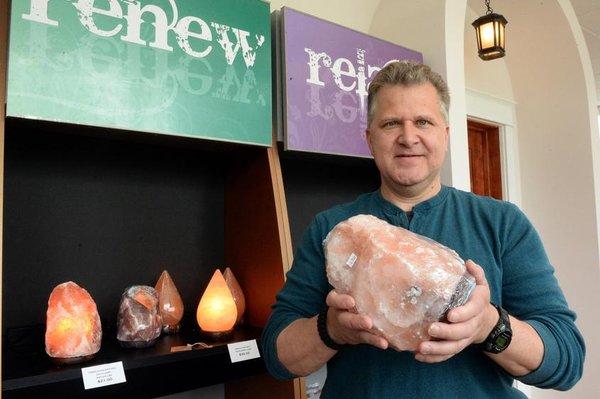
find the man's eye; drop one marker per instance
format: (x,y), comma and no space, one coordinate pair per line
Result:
(390,124)
(422,122)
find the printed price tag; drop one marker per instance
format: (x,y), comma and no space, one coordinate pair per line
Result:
(103,375)
(245,350)
(351,259)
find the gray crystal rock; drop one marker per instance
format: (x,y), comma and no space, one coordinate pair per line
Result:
(139,322)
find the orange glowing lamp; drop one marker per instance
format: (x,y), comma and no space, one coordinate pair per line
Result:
(73,329)
(217,311)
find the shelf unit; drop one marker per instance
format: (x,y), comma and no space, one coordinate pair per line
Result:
(244,225)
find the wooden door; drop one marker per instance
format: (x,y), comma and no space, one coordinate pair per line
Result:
(484,159)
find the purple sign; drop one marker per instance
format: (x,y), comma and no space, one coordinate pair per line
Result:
(327,69)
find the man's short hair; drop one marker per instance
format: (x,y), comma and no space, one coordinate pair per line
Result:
(407,73)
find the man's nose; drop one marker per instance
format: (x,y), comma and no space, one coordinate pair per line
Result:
(408,134)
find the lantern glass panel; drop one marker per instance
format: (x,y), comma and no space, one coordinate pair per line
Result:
(496,33)
(487,35)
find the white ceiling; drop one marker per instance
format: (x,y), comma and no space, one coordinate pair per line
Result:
(588,14)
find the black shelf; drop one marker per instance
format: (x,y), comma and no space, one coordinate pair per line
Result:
(27,372)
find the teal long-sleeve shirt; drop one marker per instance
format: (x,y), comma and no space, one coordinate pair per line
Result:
(494,234)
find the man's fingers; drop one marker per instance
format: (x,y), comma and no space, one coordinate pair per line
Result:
(442,348)
(478,300)
(355,329)
(456,335)
(339,301)
(354,321)
(431,358)
(374,340)
(475,305)
(452,332)
(476,271)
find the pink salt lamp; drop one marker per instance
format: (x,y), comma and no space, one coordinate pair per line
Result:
(139,322)
(73,328)
(237,293)
(217,312)
(170,305)
(402,281)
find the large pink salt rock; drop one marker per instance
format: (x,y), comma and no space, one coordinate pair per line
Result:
(401,280)
(73,328)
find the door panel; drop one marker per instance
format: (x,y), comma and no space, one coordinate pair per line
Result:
(484,159)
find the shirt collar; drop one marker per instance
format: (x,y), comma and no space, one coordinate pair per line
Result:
(434,201)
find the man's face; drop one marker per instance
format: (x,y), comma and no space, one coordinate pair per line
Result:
(408,136)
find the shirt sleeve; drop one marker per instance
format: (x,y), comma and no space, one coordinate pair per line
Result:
(530,292)
(302,296)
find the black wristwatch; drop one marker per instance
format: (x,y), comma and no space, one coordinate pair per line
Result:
(324,334)
(500,336)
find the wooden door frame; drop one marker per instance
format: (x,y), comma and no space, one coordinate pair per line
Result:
(491,110)
(490,135)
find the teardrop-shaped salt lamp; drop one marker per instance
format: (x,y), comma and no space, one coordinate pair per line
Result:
(238,294)
(139,323)
(170,305)
(216,312)
(73,328)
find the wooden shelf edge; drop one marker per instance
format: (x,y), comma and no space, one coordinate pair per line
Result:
(281,207)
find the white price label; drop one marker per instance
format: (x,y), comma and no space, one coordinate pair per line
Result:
(103,375)
(245,350)
(351,259)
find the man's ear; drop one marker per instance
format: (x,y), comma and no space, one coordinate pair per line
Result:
(447,137)
(368,138)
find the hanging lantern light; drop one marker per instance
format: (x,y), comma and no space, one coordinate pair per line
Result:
(490,34)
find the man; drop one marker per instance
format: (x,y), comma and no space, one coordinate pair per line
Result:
(471,354)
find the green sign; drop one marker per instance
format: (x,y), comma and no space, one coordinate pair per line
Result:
(195,68)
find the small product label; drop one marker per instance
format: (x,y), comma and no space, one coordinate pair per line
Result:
(181,348)
(245,350)
(351,259)
(103,375)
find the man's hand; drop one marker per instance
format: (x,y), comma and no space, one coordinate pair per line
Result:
(347,327)
(467,324)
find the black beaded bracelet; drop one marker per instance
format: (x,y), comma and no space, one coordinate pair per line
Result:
(324,334)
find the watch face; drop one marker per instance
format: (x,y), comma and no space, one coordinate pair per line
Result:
(500,336)
(502,340)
